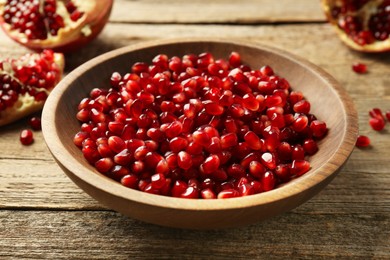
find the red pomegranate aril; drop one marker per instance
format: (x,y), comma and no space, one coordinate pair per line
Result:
(268,160)
(300,123)
(174,129)
(282,171)
(268,181)
(310,146)
(79,138)
(158,180)
(228,193)
(318,128)
(298,153)
(184,160)
(253,140)
(190,193)
(359,68)
(256,169)
(123,158)
(229,140)
(376,113)
(104,150)
(35,123)
(302,106)
(267,70)
(299,167)
(245,190)
(211,164)
(201,137)
(377,124)
(90,154)
(363,141)
(116,144)
(235,59)
(104,165)
(26,137)
(208,194)
(178,144)
(179,187)
(213,108)
(130,181)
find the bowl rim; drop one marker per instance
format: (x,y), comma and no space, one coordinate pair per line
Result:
(105,184)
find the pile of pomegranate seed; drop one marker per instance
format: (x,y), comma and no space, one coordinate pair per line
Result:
(38,19)
(198,127)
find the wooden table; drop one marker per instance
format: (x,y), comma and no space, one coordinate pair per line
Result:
(44,215)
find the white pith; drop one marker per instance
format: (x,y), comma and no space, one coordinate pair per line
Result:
(26,104)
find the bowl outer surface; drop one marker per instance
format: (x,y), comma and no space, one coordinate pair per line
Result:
(329,100)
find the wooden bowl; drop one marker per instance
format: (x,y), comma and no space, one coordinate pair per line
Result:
(329,102)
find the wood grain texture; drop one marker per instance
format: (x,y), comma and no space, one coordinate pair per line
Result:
(350,219)
(107,235)
(220,11)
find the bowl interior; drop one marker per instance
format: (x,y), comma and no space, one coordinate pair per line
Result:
(329,103)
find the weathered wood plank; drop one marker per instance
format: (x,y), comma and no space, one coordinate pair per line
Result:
(107,235)
(222,11)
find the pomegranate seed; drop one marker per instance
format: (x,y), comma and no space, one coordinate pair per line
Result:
(376,113)
(35,123)
(116,144)
(104,165)
(179,187)
(208,194)
(253,140)
(130,181)
(235,59)
(299,167)
(363,141)
(268,181)
(377,124)
(26,137)
(310,146)
(190,193)
(228,193)
(184,160)
(359,68)
(269,161)
(302,107)
(211,164)
(158,180)
(388,115)
(229,140)
(318,128)
(256,169)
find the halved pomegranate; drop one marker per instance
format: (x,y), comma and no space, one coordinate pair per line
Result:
(60,25)
(363,25)
(26,82)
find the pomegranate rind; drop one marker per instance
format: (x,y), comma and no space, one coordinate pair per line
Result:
(26,104)
(74,35)
(375,47)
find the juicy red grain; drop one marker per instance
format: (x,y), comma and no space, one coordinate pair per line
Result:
(359,68)
(363,141)
(377,124)
(198,127)
(26,137)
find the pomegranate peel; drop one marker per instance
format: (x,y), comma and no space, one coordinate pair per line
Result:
(360,24)
(16,80)
(69,34)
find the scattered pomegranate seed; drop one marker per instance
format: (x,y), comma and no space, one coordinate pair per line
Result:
(363,141)
(26,137)
(198,127)
(35,123)
(359,68)
(377,124)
